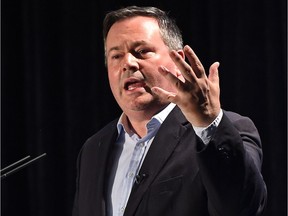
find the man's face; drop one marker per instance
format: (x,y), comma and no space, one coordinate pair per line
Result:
(135,50)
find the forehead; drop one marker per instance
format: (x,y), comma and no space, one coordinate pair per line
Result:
(137,28)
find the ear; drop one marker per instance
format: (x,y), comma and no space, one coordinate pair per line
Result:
(181,53)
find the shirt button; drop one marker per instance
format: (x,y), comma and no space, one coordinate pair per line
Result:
(130,174)
(141,144)
(122,209)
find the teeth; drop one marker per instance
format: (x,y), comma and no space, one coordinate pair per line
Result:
(131,88)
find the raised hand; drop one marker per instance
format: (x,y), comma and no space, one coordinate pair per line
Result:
(198,96)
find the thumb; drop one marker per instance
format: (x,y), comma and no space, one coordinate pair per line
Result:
(213,72)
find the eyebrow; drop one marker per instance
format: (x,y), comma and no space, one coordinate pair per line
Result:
(112,48)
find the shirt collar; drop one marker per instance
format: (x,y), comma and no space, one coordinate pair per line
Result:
(156,120)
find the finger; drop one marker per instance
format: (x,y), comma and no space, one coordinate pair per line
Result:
(214,73)
(183,66)
(196,64)
(164,95)
(171,77)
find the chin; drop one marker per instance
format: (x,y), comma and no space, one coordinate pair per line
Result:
(153,105)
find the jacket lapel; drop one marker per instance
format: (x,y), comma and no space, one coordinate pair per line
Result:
(167,138)
(105,146)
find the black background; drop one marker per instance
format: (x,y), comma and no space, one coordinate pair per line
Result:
(55,92)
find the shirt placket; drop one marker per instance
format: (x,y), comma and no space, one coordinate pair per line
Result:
(134,167)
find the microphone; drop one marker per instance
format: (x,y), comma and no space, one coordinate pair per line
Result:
(140,177)
(17,166)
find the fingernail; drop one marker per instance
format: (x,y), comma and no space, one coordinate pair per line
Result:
(173,53)
(163,69)
(155,90)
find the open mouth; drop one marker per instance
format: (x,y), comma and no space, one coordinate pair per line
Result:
(132,84)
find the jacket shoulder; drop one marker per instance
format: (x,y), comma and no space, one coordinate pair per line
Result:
(239,121)
(108,130)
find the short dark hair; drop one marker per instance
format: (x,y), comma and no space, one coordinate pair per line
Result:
(169,31)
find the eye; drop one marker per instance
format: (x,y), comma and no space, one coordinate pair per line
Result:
(142,51)
(115,56)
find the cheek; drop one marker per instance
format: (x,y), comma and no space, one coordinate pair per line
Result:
(159,81)
(114,89)
(112,74)
(113,80)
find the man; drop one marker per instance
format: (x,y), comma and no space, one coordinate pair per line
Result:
(173,151)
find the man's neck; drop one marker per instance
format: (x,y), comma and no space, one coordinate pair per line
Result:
(136,122)
(137,125)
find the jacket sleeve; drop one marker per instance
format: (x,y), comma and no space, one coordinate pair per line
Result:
(230,168)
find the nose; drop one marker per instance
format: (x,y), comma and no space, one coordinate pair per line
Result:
(129,63)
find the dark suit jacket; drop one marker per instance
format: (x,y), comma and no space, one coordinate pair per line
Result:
(183,177)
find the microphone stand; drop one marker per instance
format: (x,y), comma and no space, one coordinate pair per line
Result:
(18,165)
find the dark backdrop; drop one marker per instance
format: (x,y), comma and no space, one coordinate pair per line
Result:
(55,94)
